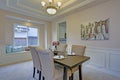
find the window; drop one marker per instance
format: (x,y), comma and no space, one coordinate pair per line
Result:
(23,37)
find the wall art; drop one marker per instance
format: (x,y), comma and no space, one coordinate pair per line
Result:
(95,31)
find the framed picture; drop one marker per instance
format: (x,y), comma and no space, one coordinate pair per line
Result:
(95,31)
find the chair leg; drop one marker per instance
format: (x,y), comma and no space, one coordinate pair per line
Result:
(33,72)
(39,75)
(43,78)
(37,71)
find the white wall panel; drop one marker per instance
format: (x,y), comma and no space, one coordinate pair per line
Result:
(97,58)
(114,63)
(107,60)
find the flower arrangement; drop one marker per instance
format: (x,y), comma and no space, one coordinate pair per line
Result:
(55,43)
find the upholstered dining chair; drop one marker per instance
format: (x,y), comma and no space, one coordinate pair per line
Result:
(36,61)
(78,50)
(49,72)
(62,48)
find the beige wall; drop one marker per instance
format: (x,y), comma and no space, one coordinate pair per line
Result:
(110,9)
(6,35)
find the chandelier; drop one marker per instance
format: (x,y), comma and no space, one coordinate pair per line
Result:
(51,6)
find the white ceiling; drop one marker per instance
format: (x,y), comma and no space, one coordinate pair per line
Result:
(33,7)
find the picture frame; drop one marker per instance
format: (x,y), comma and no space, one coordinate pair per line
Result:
(95,31)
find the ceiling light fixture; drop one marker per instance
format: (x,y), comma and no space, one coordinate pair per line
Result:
(51,6)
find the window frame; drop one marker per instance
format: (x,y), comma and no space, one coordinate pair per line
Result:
(27,33)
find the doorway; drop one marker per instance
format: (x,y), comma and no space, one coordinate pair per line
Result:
(62,32)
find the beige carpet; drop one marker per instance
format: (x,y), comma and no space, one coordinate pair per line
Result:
(23,71)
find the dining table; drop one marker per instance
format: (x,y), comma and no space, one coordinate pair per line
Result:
(71,61)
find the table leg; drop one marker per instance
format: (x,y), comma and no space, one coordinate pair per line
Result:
(65,74)
(80,72)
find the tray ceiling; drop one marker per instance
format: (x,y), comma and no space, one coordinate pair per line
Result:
(33,7)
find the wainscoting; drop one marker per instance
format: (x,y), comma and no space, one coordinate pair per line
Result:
(106,60)
(103,59)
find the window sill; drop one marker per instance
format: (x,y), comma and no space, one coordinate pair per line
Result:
(21,52)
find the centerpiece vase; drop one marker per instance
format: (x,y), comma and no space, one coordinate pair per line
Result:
(55,51)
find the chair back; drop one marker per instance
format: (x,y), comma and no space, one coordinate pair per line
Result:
(62,48)
(78,49)
(47,63)
(35,58)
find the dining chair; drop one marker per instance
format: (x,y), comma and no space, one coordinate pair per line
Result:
(78,50)
(49,72)
(62,48)
(36,61)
